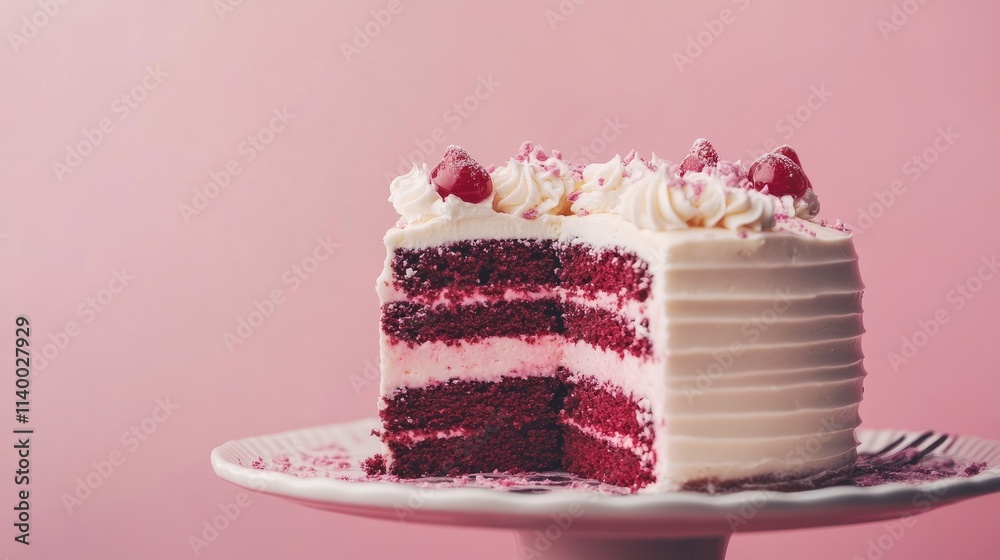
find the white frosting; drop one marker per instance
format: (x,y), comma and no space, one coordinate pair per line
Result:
(413,196)
(599,190)
(531,187)
(604,183)
(660,201)
(417,200)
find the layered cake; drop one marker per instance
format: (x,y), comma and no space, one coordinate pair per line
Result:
(650,325)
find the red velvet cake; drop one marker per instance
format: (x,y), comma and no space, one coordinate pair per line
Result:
(648,325)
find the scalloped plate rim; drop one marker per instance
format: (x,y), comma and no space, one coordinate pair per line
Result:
(379,499)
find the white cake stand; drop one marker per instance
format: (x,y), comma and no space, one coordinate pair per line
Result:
(560,519)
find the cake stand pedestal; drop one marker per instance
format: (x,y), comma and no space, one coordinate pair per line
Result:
(558,517)
(597,548)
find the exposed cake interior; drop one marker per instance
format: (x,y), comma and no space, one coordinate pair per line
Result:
(527,304)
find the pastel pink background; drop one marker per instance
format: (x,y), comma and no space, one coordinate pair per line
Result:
(323,175)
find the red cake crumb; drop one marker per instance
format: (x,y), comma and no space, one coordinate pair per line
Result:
(374,465)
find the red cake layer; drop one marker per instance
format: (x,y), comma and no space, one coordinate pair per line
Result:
(603,329)
(415,323)
(476,264)
(493,266)
(606,410)
(501,448)
(475,405)
(587,269)
(513,425)
(589,457)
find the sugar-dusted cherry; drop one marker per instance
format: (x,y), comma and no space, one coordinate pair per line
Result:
(779,173)
(701,155)
(462,176)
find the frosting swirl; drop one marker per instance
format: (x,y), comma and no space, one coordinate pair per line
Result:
(413,196)
(661,201)
(652,195)
(603,183)
(416,199)
(599,190)
(532,184)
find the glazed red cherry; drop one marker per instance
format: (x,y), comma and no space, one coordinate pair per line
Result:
(462,176)
(702,155)
(779,174)
(789,153)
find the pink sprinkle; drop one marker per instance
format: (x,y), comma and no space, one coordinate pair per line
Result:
(583,212)
(741,234)
(600,181)
(530,214)
(540,155)
(574,195)
(524,152)
(556,171)
(631,155)
(557,154)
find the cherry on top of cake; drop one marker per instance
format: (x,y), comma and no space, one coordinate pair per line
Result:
(778,172)
(702,155)
(462,176)
(703,190)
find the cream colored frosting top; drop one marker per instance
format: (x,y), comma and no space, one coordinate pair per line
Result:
(650,194)
(661,201)
(417,200)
